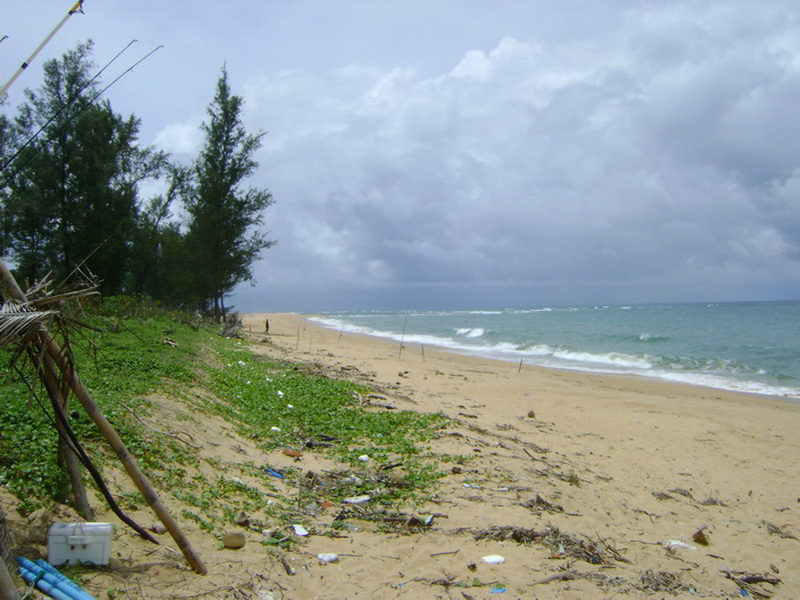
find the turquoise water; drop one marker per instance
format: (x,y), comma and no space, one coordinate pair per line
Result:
(749,346)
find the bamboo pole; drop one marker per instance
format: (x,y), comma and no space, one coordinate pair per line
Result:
(50,346)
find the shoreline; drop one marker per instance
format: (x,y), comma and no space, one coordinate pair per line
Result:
(521,364)
(640,463)
(718,381)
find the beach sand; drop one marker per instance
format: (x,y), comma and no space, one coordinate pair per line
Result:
(587,485)
(634,465)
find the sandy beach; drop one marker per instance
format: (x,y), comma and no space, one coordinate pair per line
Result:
(636,467)
(587,486)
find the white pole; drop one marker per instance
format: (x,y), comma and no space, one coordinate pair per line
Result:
(24,65)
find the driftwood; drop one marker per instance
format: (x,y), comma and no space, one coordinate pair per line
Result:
(46,345)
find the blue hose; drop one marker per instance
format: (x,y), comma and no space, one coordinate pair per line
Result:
(51,569)
(57,585)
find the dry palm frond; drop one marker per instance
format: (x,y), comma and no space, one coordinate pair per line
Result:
(41,297)
(18,321)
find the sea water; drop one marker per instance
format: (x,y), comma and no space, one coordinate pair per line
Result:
(748,346)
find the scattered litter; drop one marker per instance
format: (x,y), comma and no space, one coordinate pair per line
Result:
(292,453)
(357,499)
(300,530)
(327,558)
(493,559)
(363,458)
(275,429)
(274,473)
(700,537)
(290,406)
(751,584)
(561,545)
(497,589)
(672,544)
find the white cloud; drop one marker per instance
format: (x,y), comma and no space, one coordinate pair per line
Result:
(607,166)
(180,139)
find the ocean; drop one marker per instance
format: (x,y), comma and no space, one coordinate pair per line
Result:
(749,347)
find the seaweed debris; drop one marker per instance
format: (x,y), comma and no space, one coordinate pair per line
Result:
(561,545)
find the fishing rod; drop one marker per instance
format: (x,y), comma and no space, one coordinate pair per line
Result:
(63,108)
(77,8)
(77,113)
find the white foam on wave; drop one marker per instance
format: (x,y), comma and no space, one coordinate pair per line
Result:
(548,356)
(471,332)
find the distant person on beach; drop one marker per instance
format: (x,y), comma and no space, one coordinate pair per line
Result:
(266,326)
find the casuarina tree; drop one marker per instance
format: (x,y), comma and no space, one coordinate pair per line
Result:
(72,186)
(224,236)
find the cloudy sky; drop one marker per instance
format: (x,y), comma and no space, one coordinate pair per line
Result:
(476,153)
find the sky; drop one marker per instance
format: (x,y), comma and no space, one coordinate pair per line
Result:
(453,154)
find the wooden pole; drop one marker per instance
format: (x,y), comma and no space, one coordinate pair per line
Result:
(49,345)
(59,396)
(7,588)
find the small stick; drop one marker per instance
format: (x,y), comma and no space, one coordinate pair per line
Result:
(453,552)
(556,577)
(520,366)
(290,570)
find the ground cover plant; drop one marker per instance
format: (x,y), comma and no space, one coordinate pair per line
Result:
(136,350)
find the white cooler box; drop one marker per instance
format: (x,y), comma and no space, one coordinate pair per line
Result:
(77,543)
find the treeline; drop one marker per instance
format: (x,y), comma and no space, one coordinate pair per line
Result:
(71,179)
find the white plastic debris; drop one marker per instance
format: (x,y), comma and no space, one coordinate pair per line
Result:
(300,530)
(493,559)
(678,544)
(357,499)
(290,406)
(363,458)
(327,558)
(275,429)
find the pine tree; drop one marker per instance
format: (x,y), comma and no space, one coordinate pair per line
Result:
(222,239)
(73,190)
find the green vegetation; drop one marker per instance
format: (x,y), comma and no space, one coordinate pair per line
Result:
(278,405)
(72,182)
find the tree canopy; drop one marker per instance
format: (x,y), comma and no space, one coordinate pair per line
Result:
(71,174)
(222,234)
